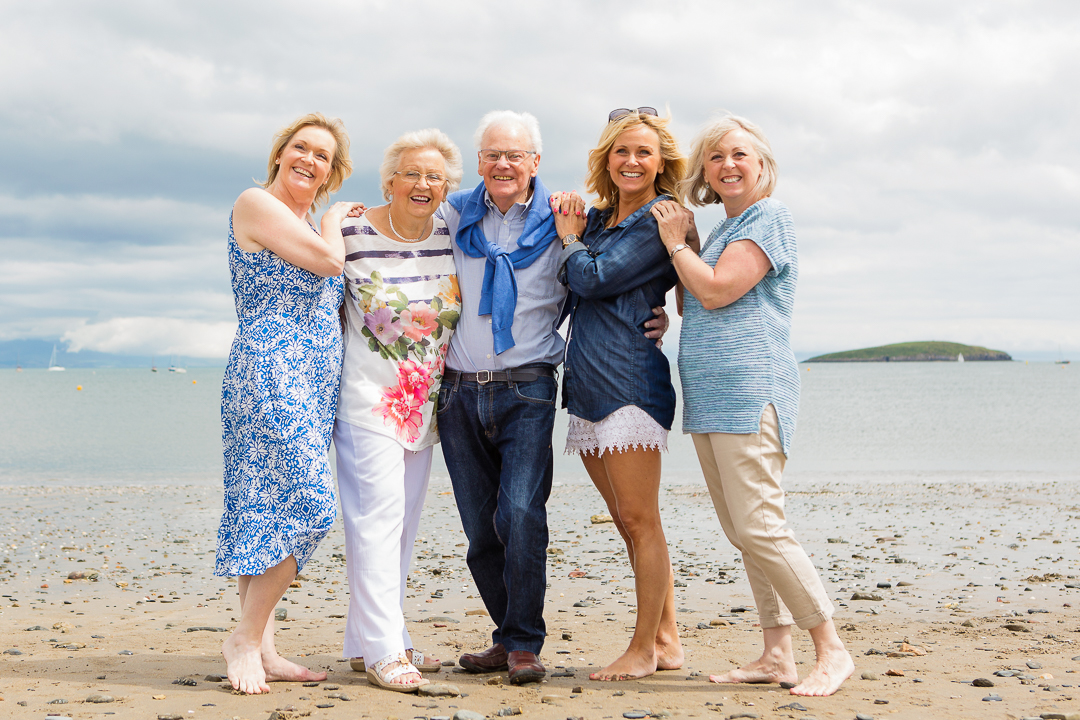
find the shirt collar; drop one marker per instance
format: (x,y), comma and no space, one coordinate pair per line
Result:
(524,206)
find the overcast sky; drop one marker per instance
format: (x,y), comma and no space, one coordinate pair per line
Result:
(928,151)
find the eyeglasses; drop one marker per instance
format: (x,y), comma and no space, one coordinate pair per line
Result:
(413,177)
(623,112)
(514,157)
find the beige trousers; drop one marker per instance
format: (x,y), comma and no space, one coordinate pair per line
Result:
(743,474)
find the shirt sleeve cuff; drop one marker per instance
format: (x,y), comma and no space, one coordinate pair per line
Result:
(569,250)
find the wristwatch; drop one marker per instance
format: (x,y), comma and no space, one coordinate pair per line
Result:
(677,248)
(570,240)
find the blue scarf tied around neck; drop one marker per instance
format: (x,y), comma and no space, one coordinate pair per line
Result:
(498,294)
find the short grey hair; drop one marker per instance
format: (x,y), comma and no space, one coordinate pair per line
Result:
(696,189)
(418,140)
(503,118)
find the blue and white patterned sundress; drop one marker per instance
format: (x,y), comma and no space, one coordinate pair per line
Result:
(277,413)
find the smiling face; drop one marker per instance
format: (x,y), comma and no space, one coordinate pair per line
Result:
(507,183)
(306,160)
(732,169)
(420,199)
(634,162)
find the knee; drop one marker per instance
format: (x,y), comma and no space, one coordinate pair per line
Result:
(638,523)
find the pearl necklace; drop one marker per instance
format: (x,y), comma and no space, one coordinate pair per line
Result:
(401,237)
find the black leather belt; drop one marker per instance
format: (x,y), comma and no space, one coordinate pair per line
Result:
(522,374)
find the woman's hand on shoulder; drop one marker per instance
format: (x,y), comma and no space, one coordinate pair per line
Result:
(569,211)
(336,213)
(676,223)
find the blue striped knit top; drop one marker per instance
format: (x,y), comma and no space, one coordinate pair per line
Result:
(736,360)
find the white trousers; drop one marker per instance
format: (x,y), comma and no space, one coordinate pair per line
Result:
(382,488)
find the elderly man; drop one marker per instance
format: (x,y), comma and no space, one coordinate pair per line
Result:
(496,406)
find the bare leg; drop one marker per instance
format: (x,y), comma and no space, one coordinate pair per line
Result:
(249,652)
(669,652)
(833,666)
(776,664)
(632,490)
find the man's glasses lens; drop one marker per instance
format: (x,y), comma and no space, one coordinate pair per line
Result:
(514,157)
(414,177)
(623,112)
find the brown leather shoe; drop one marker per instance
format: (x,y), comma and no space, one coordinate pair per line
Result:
(491,660)
(525,667)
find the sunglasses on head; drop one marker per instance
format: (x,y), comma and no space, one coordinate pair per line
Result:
(623,112)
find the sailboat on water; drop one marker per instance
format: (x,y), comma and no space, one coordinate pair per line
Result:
(53,367)
(174,368)
(1061,359)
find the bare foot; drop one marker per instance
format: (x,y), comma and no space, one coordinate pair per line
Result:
(832,668)
(669,656)
(245,667)
(278,669)
(629,666)
(763,670)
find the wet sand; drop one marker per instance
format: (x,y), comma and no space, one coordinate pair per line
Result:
(976,576)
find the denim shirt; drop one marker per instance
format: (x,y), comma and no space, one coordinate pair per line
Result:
(616,277)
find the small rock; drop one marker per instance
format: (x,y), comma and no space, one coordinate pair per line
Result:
(309,684)
(741,609)
(704,626)
(467,715)
(322,705)
(13,651)
(863,716)
(205,628)
(787,685)
(635,715)
(188,682)
(750,715)
(1017,627)
(481,611)
(992,698)
(339,696)
(578,689)
(793,706)
(280,614)
(439,690)
(884,585)
(1034,665)
(879,701)
(57,701)
(968,623)
(125,652)
(1004,673)
(982,682)
(865,596)
(440,619)
(601,519)
(903,583)
(99,698)
(894,673)
(214,678)
(567,636)
(35,627)
(550,699)
(170,717)
(562,673)
(582,603)
(869,676)
(494,680)
(834,541)
(508,711)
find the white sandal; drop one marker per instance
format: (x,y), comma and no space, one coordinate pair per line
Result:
(422,662)
(380,676)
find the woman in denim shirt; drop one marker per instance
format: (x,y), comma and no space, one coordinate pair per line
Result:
(618,383)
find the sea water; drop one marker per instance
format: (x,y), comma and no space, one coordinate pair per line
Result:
(873,421)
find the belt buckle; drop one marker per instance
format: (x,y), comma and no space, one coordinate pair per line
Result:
(481,374)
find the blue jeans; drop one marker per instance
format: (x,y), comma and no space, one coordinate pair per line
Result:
(496,440)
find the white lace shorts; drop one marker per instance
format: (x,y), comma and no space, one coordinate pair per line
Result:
(628,427)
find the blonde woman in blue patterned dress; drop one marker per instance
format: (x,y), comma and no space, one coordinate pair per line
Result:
(401,306)
(741,390)
(280,387)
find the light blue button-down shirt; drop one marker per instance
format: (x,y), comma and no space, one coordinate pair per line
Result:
(539,304)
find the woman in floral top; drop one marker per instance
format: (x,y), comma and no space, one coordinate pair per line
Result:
(401,305)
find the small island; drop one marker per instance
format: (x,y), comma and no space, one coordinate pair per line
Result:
(926,351)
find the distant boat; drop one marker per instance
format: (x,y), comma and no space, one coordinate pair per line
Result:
(153,367)
(1061,360)
(53,367)
(960,357)
(18,365)
(175,368)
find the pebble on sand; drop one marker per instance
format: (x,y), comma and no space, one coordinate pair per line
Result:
(982,682)
(440,690)
(467,715)
(99,698)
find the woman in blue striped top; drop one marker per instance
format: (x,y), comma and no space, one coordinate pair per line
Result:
(741,389)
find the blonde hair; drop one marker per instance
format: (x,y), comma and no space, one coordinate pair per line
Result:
(416,140)
(696,188)
(599,180)
(340,165)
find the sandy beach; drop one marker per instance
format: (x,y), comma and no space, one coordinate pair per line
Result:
(108,596)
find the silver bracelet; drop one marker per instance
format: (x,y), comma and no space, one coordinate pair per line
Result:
(677,248)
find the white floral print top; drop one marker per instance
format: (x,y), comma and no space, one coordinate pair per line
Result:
(401,304)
